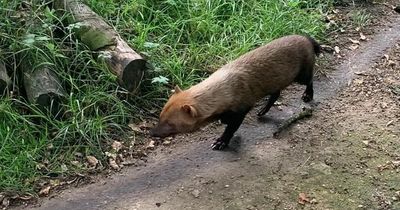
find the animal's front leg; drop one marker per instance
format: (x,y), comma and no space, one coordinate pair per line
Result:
(233,120)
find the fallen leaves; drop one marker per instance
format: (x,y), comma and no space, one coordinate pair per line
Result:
(116,146)
(166,142)
(113,164)
(5,202)
(196,193)
(362,37)
(303,199)
(389,165)
(92,161)
(354,41)
(151,145)
(337,50)
(45,191)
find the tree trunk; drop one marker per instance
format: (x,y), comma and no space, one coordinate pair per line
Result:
(93,31)
(5,81)
(44,89)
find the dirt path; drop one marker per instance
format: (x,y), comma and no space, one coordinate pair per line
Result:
(346,156)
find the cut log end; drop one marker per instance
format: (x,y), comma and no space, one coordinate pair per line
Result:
(132,74)
(50,102)
(44,89)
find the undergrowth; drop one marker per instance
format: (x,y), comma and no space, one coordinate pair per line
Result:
(184,40)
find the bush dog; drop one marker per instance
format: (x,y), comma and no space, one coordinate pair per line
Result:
(229,93)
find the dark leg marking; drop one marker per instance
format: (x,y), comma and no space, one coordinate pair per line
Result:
(269,104)
(233,120)
(308,94)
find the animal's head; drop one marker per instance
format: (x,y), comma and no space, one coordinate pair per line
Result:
(179,115)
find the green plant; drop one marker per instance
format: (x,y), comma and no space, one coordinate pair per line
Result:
(360,17)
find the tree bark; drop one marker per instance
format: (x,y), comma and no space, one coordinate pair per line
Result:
(44,89)
(93,31)
(5,81)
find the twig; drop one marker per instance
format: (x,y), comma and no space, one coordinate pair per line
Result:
(306,112)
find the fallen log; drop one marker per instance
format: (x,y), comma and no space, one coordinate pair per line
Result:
(93,31)
(43,88)
(5,81)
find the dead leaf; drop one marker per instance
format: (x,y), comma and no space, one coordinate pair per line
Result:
(166,143)
(362,37)
(44,191)
(135,128)
(40,166)
(303,199)
(111,155)
(151,145)
(354,41)
(358,29)
(337,50)
(55,182)
(196,193)
(76,163)
(353,47)
(391,63)
(113,164)
(358,81)
(145,125)
(386,56)
(92,160)
(330,17)
(117,146)
(5,203)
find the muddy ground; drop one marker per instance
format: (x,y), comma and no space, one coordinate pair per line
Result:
(345,156)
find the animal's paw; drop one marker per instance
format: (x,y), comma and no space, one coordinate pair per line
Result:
(219,145)
(306,98)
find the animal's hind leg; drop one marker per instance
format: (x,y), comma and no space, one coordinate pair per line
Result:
(308,94)
(269,104)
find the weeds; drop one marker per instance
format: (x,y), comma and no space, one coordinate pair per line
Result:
(184,40)
(360,18)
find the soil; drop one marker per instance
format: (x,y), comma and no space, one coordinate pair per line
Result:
(345,156)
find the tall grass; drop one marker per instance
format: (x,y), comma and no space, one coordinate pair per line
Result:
(184,40)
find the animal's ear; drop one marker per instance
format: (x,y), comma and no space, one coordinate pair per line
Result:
(177,89)
(190,110)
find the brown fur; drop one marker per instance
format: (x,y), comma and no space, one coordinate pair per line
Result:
(238,85)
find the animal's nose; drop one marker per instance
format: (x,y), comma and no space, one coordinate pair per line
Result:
(153,132)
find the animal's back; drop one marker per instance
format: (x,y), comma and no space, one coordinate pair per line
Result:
(259,72)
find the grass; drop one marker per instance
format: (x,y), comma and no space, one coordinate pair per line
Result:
(360,18)
(184,40)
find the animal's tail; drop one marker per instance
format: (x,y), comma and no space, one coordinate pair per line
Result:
(317,47)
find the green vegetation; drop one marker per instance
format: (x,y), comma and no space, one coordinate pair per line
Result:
(360,18)
(184,40)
